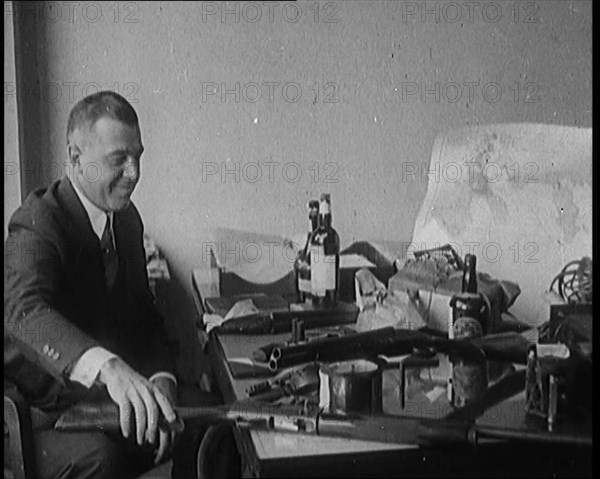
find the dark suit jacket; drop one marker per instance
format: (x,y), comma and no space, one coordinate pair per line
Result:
(56,303)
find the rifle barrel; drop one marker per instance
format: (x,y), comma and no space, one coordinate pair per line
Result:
(393,342)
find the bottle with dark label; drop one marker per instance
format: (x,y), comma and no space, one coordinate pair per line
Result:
(469,379)
(324,252)
(469,303)
(302,263)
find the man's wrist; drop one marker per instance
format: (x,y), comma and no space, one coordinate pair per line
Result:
(88,367)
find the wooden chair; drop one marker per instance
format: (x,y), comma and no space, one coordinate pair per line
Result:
(18,440)
(18,436)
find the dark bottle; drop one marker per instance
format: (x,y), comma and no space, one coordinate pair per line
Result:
(469,283)
(302,263)
(324,253)
(469,303)
(469,378)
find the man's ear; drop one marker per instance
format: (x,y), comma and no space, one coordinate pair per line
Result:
(74,153)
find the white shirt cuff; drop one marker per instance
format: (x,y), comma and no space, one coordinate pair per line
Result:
(87,368)
(164,374)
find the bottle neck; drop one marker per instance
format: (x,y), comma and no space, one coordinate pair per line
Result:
(325,214)
(325,220)
(470,276)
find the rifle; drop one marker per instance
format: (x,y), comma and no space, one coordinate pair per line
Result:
(457,427)
(389,341)
(304,419)
(281,321)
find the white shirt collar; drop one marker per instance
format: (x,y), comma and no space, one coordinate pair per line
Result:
(96,215)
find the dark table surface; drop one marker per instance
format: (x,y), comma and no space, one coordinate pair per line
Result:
(512,442)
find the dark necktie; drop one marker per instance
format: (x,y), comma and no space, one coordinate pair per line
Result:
(109,255)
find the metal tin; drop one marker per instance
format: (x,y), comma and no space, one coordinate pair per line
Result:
(354,386)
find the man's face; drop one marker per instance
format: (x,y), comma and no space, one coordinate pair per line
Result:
(107,162)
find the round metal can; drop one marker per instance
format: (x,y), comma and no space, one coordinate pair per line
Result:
(354,386)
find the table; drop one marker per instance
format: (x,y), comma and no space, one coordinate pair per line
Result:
(277,454)
(274,454)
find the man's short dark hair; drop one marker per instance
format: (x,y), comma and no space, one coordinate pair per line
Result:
(102,104)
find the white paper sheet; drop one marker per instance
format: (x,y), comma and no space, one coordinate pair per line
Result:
(519,196)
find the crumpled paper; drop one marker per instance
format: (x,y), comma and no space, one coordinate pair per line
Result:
(380,309)
(241,308)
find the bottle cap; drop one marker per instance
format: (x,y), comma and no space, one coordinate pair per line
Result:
(470,258)
(325,207)
(313,207)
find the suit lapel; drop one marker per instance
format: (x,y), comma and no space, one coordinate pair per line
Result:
(82,233)
(78,220)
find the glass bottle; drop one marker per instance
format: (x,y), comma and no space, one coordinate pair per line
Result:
(325,257)
(469,283)
(469,303)
(302,263)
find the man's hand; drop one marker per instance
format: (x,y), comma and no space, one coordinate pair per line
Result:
(135,394)
(166,439)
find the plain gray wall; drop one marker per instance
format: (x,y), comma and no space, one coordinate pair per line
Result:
(12,187)
(163,55)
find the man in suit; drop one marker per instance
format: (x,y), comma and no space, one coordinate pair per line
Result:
(79,318)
